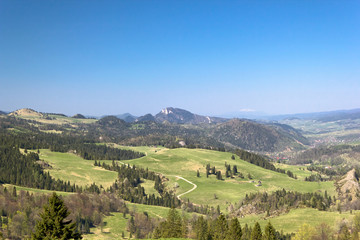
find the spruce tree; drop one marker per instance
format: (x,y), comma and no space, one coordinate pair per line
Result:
(256,233)
(269,232)
(201,229)
(221,228)
(172,227)
(53,224)
(234,232)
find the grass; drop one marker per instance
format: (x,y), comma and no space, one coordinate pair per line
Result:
(34,190)
(292,221)
(186,162)
(116,223)
(70,167)
(299,170)
(57,119)
(148,185)
(113,227)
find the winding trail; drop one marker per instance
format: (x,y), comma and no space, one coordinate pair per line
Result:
(178,196)
(195,186)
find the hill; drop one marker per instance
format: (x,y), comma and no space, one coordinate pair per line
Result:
(146,118)
(127,117)
(258,137)
(181,116)
(26,112)
(147,130)
(79,116)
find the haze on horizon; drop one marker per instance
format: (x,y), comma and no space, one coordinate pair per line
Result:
(208,57)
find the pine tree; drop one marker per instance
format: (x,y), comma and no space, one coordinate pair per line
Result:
(269,232)
(234,232)
(256,233)
(53,224)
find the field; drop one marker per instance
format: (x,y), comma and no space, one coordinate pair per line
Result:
(69,167)
(175,163)
(34,190)
(115,224)
(50,118)
(292,221)
(179,165)
(288,223)
(186,162)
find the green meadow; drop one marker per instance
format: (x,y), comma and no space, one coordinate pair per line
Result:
(186,162)
(175,163)
(70,167)
(291,221)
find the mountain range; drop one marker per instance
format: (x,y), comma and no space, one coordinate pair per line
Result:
(172,125)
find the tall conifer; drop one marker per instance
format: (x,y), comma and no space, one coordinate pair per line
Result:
(53,224)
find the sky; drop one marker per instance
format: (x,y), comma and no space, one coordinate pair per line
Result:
(209,57)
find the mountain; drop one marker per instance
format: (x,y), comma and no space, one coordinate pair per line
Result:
(181,116)
(2,113)
(319,116)
(146,118)
(127,117)
(258,137)
(172,125)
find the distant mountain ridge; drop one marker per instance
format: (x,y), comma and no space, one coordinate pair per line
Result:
(167,127)
(181,116)
(320,116)
(251,135)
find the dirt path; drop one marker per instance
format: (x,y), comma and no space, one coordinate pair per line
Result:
(195,186)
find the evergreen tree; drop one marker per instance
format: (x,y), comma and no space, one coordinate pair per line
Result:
(53,224)
(172,227)
(14,192)
(256,233)
(269,232)
(201,229)
(221,228)
(234,232)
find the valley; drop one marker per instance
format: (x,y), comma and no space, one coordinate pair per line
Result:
(196,169)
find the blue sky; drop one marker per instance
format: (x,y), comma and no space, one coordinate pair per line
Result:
(209,57)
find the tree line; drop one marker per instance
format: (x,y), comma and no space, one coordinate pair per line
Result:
(20,210)
(281,201)
(261,162)
(216,228)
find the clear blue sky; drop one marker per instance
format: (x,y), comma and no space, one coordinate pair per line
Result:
(209,57)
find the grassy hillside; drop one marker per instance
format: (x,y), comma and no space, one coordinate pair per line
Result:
(186,162)
(176,163)
(292,221)
(69,167)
